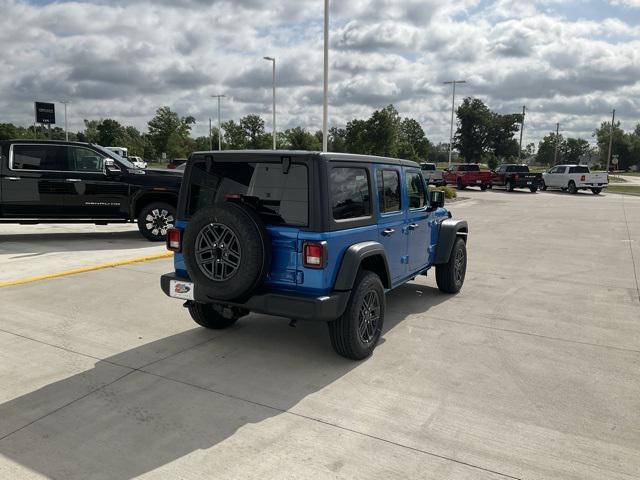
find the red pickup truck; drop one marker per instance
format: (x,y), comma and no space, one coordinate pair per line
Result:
(467,175)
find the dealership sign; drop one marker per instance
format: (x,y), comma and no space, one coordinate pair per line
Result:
(45,112)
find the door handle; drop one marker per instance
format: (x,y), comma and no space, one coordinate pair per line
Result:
(13,179)
(388,232)
(413,226)
(74,179)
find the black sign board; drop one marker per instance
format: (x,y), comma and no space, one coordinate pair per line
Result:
(45,112)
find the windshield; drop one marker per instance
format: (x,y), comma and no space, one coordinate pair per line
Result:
(115,156)
(469,168)
(520,169)
(428,166)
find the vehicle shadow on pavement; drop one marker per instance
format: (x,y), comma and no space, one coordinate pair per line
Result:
(116,422)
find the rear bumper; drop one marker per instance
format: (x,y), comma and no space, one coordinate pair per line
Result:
(298,307)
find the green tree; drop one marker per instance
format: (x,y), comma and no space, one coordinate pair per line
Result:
(501,131)
(546,149)
(256,137)
(8,131)
(472,135)
(573,149)
(336,141)
(621,144)
(235,137)
(413,143)
(300,139)
(169,133)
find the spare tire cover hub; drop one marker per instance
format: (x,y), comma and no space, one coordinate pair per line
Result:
(218,252)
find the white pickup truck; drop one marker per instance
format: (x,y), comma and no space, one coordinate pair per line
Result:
(431,173)
(572,178)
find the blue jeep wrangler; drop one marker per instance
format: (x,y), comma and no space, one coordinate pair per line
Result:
(308,236)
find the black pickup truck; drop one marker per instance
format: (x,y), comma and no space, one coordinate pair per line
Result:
(513,176)
(70,182)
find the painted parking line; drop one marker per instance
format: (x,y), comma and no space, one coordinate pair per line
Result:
(91,268)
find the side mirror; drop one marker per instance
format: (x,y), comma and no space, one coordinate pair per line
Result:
(110,166)
(436,199)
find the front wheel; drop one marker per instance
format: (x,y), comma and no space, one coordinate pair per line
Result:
(596,191)
(210,316)
(572,188)
(155,219)
(450,275)
(543,186)
(483,187)
(356,332)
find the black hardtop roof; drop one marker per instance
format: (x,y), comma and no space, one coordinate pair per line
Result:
(52,142)
(320,156)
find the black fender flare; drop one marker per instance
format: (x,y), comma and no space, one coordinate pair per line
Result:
(449,230)
(352,260)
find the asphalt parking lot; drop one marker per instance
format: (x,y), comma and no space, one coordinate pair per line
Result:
(532,371)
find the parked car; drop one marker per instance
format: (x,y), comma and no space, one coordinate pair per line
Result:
(513,176)
(572,178)
(71,182)
(431,174)
(308,236)
(176,162)
(137,161)
(467,175)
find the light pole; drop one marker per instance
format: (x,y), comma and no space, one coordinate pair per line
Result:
(272,59)
(453,104)
(613,119)
(325,100)
(555,152)
(66,132)
(524,109)
(219,121)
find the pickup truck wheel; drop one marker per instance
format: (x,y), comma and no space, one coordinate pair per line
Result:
(509,186)
(450,275)
(155,219)
(459,185)
(356,332)
(533,189)
(543,186)
(596,191)
(483,187)
(209,316)
(572,188)
(226,250)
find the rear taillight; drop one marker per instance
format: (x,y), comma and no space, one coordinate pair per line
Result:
(314,254)
(583,178)
(174,240)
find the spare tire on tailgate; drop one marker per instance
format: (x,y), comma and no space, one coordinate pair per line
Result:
(226,250)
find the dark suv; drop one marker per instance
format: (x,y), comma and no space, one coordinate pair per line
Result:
(308,236)
(70,182)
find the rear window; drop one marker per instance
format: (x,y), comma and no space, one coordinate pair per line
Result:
(519,169)
(279,198)
(428,166)
(472,167)
(579,170)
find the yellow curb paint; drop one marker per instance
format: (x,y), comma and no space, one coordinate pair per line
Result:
(75,271)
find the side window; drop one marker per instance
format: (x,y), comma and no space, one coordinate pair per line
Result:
(39,157)
(349,193)
(388,191)
(415,190)
(84,160)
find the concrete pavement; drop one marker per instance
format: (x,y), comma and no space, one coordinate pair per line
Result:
(532,371)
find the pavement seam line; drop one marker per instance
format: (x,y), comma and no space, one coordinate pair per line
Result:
(324,422)
(633,260)
(75,271)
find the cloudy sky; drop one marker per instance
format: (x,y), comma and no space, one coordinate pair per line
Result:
(567,61)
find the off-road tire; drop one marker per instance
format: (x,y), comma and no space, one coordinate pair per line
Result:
(155,219)
(207,316)
(596,191)
(572,188)
(450,275)
(252,254)
(344,333)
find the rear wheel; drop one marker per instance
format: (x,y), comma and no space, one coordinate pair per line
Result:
(211,316)
(450,275)
(460,185)
(483,187)
(596,191)
(155,219)
(572,188)
(356,332)
(533,189)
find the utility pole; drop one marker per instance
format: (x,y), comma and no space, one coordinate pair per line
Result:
(272,59)
(453,106)
(325,101)
(210,139)
(613,119)
(66,131)
(555,153)
(219,121)
(524,109)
